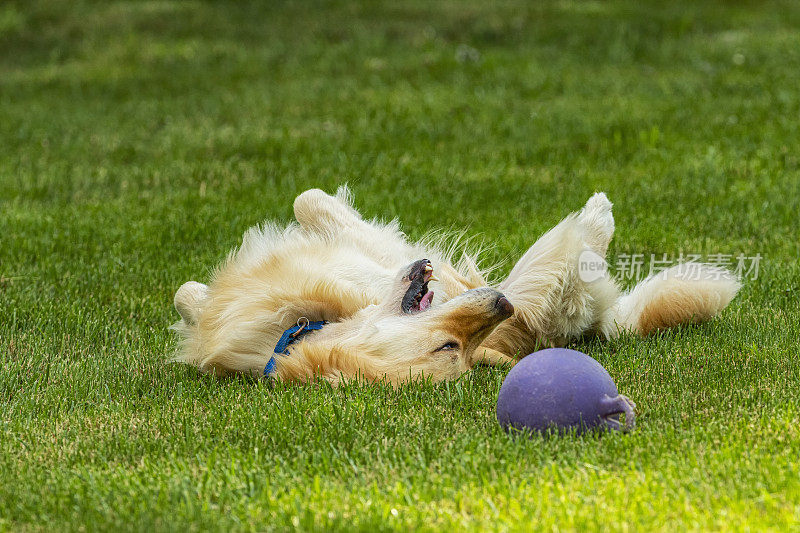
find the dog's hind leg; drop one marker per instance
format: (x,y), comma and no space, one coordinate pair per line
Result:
(554,301)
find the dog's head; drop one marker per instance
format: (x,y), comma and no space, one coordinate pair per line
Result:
(407,335)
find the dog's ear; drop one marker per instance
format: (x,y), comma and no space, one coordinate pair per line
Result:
(311,360)
(189,300)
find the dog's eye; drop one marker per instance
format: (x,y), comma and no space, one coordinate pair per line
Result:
(448,346)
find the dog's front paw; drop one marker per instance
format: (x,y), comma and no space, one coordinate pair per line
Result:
(189,300)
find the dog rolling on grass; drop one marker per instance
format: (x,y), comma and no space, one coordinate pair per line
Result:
(397,310)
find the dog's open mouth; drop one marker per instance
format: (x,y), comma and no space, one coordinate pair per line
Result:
(418,297)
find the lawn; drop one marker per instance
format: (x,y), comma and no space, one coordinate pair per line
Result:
(139,139)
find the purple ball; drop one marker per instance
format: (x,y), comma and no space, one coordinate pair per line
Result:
(563,390)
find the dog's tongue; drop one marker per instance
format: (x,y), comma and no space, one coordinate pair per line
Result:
(425,302)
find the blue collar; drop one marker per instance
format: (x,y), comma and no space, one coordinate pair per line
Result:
(303,326)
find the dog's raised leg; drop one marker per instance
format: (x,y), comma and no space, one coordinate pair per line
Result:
(553,304)
(333,216)
(319,212)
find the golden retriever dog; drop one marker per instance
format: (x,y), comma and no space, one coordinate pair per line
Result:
(370,304)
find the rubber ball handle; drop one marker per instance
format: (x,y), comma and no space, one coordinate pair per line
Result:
(616,406)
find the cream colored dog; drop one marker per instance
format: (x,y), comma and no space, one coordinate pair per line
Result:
(398,310)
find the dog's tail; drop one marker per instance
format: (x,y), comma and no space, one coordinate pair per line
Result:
(688,293)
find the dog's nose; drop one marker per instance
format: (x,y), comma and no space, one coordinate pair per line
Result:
(503,306)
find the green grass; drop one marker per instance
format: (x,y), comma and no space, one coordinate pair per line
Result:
(138,140)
